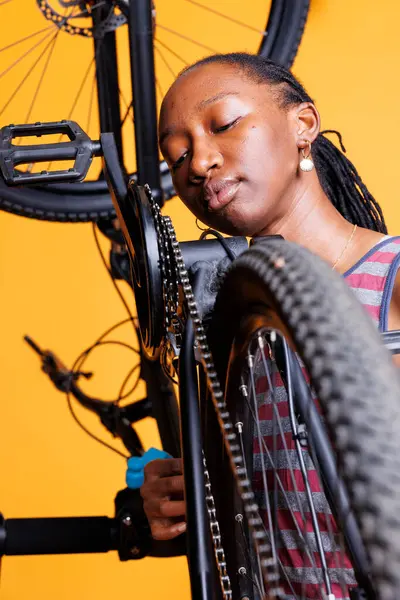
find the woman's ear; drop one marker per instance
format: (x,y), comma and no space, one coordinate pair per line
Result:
(306,122)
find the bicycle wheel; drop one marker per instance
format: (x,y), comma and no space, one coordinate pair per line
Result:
(277,290)
(67,34)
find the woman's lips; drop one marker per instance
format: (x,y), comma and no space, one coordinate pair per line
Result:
(217,200)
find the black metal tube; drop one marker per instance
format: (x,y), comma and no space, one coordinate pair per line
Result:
(164,404)
(199,542)
(144,96)
(136,411)
(107,80)
(60,535)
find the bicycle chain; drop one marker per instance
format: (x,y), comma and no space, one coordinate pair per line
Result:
(262,545)
(168,270)
(216,536)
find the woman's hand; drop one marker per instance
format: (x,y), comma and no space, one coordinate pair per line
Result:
(163,498)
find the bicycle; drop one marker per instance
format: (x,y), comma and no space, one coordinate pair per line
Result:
(277,260)
(277,270)
(91,201)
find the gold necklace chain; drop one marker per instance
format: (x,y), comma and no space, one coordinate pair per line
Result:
(345,248)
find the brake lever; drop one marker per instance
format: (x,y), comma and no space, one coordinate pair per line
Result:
(59,374)
(115,419)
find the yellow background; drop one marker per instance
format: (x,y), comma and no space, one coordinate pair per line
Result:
(54,287)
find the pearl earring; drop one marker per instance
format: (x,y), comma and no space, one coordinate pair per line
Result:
(306,163)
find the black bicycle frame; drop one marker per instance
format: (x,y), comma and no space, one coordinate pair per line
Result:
(107,80)
(140,21)
(144,96)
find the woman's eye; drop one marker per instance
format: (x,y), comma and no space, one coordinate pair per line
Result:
(227,126)
(178,162)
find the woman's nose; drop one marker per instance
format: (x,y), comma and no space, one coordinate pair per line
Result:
(205,158)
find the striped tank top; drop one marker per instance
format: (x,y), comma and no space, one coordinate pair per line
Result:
(372,279)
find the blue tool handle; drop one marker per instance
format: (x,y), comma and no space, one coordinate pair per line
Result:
(136,464)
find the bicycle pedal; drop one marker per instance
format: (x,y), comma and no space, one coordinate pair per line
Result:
(80,148)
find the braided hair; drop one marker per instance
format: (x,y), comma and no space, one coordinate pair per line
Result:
(337,175)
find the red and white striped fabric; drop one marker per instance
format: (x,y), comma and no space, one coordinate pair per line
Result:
(372,279)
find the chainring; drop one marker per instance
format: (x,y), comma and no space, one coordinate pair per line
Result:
(153,266)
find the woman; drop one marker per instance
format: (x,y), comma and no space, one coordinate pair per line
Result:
(242,139)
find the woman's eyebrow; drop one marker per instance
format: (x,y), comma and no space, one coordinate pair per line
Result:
(164,134)
(215,98)
(203,103)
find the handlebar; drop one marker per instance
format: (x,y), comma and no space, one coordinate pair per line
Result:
(61,535)
(116,419)
(128,533)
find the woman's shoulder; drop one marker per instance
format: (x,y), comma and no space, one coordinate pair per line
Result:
(375,278)
(370,247)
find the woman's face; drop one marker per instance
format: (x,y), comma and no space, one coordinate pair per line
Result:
(231,149)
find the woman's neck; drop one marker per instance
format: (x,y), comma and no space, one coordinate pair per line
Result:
(311,220)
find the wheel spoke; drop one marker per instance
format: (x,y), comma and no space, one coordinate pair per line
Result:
(273,460)
(86,75)
(28,37)
(275,419)
(21,58)
(166,63)
(303,470)
(89,118)
(188,39)
(76,100)
(255,366)
(261,346)
(278,480)
(250,362)
(128,112)
(227,17)
(46,65)
(339,566)
(47,62)
(27,75)
(171,51)
(80,89)
(304,542)
(28,116)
